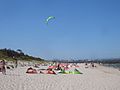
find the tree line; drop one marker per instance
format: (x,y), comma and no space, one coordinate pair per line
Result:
(10,54)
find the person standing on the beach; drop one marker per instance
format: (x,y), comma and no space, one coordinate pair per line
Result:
(3,69)
(16,63)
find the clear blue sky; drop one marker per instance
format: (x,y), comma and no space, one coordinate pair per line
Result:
(82,28)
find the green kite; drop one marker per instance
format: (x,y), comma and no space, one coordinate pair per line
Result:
(49,18)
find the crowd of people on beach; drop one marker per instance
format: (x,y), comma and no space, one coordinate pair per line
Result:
(51,68)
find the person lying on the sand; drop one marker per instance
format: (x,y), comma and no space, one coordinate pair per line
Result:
(48,71)
(31,70)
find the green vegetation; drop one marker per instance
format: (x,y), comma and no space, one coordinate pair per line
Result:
(12,55)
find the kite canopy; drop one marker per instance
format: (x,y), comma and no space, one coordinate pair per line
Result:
(70,72)
(49,18)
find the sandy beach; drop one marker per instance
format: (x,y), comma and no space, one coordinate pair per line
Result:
(99,78)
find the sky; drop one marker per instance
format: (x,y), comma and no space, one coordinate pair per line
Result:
(81,28)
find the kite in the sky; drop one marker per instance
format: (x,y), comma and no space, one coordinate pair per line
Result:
(49,18)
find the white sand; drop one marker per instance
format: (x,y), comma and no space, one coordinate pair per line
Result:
(100,78)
